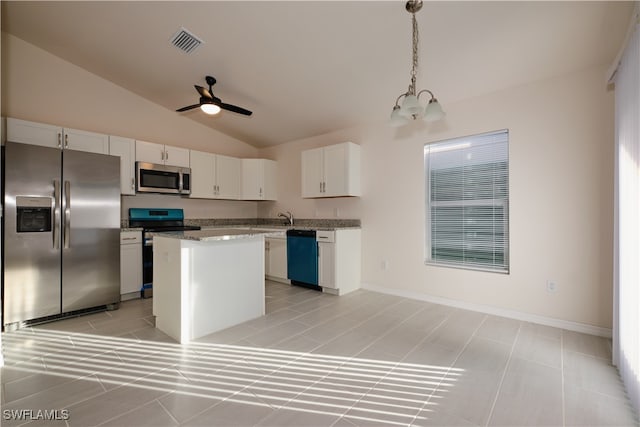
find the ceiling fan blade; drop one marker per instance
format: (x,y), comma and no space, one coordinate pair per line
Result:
(204,92)
(190,107)
(235,109)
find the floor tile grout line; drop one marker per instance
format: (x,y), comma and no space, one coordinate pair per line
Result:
(471,337)
(504,374)
(347,360)
(167,411)
(344,332)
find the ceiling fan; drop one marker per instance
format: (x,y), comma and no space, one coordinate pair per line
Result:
(211,104)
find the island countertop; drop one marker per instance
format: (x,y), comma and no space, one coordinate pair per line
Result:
(219,234)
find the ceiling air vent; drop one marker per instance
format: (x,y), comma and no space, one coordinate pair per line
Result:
(186,41)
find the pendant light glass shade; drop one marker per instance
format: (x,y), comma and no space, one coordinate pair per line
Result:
(397,119)
(210,109)
(411,107)
(433,111)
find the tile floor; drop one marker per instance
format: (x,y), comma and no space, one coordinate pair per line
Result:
(363,359)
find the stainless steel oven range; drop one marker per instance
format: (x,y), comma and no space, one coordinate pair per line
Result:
(154,220)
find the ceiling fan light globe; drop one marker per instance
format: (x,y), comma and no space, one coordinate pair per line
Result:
(210,109)
(411,107)
(433,112)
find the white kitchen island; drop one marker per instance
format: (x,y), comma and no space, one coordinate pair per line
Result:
(207,280)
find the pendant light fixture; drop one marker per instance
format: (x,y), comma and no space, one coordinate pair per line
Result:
(411,108)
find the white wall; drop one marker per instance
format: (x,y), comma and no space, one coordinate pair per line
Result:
(41,87)
(561,181)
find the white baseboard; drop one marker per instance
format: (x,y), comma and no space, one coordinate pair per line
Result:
(496,311)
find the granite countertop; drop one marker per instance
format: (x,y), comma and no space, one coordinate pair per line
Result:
(265,223)
(218,234)
(278,227)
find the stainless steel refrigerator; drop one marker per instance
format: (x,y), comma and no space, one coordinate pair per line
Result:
(61,232)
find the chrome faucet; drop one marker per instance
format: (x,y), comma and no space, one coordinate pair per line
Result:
(288,216)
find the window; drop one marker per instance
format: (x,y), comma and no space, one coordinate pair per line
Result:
(467,202)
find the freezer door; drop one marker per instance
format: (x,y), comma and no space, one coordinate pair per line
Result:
(32,244)
(90,230)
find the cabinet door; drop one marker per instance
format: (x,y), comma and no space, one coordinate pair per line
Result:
(149,152)
(270,180)
(90,142)
(312,171)
(267,265)
(125,149)
(202,175)
(130,268)
(335,170)
(227,177)
(326,265)
(277,261)
(33,133)
(251,179)
(176,156)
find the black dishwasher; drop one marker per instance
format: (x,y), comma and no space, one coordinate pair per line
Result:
(302,258)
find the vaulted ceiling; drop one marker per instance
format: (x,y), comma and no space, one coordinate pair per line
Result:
(309,67)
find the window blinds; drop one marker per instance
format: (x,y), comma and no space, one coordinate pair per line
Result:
(467,198)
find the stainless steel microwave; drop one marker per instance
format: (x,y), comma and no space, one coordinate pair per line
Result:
(154,178)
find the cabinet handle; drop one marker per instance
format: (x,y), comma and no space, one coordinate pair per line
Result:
(321,186)
(322,237)
(166,155)
(133,184)
(129,238)
(59,140)
(66,141)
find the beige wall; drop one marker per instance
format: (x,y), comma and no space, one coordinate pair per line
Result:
(41,87)
(561,181)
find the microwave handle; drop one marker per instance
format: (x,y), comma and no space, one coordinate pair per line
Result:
(180,182)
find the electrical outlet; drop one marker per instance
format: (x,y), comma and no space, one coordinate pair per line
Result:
(384,265)
(551,286)
(336,212)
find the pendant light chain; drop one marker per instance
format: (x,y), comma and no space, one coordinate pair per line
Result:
(414,69)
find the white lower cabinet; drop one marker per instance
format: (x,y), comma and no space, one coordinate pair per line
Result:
(130,264)
(275,261)
(339,260)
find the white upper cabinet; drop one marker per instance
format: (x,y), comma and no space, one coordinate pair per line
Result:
(161,154)
(332,171)
(56,137)
(85,141)
(202,175)
(228,170)
(259,179)
(214,176)
(125,148)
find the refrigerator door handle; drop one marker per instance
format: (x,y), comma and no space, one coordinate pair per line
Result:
(67,214)
(56,214)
